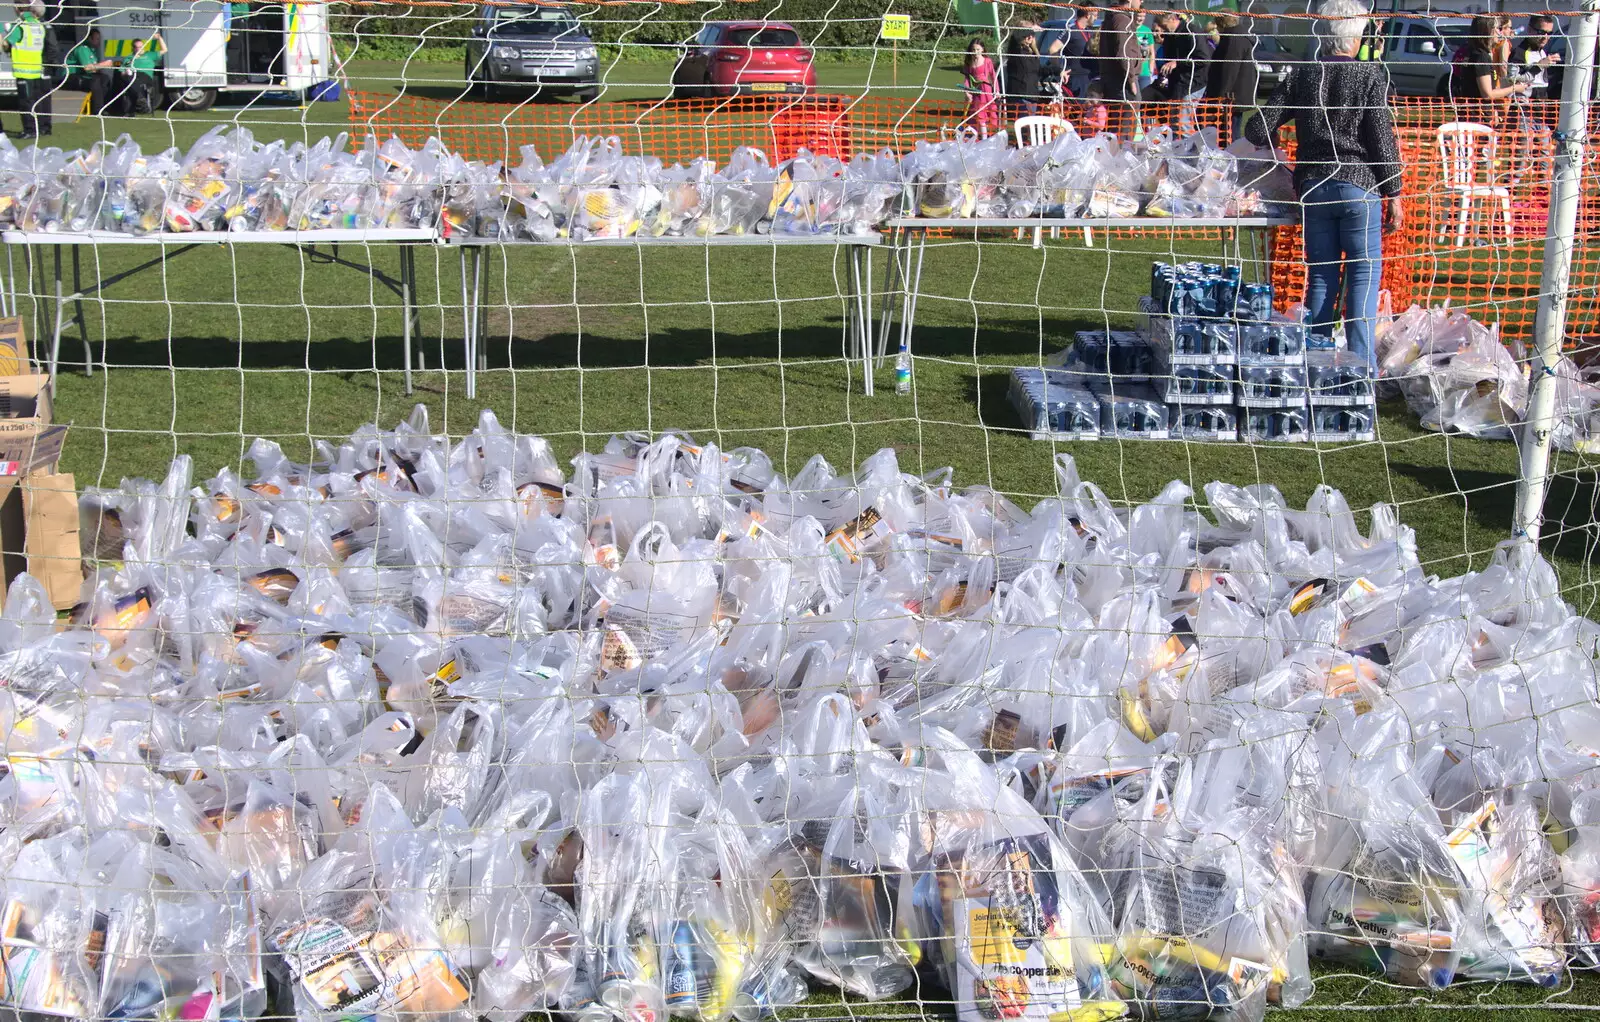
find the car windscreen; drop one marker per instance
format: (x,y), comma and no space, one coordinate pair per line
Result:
(761,37)
(533,21)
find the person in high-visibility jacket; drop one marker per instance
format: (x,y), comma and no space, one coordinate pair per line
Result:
(25,42)
(1372,41)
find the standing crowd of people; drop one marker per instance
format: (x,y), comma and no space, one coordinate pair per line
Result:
(1114,64)
(1493,66)
(115,87)
(1122,58)
(1348,168)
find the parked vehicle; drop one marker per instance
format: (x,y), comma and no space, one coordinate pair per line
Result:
(1274,61)
(730,58)
(1418,52)
(539,47)
(212,46)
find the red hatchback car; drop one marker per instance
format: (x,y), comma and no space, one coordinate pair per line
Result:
(731,58)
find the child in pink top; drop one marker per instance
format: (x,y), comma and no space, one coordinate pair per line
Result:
(1095,113)
(983,108)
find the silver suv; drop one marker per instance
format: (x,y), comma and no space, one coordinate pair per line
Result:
(541,47)
(1418,52)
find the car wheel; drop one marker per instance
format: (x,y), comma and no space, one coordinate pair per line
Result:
(588,95)
(193,99)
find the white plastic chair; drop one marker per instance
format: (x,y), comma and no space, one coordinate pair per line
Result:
(1035,131)
(1465,150)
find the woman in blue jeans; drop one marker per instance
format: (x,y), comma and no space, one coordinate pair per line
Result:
(1347,171)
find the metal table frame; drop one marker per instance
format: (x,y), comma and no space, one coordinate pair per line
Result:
(909,243)
(175,244)
(858,297)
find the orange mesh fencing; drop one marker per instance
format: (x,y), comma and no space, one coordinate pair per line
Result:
(676,131)
(681,130)
(1461,246)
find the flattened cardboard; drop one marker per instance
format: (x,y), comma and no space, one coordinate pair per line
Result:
(50,505)
(13,347)
(28,441)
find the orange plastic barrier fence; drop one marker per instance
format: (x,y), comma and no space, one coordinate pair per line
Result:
(681,130)
(1475,240)
(1474,233)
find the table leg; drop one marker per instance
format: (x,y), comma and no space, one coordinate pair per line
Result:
(858,322)
(407,296)
(866,298)
(8,291)
(472,301)
(908,315)
(480,288)
(77,303)
(468,321)
(894,278)
(55,331)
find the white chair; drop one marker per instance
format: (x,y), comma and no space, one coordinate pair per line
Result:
(1466,150)
(1035,131)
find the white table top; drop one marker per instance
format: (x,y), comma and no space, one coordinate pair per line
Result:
(1140,222)
(374,236)
(713,241)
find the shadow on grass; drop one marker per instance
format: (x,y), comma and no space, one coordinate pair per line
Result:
(662,347)
(1571,502)
(989,392)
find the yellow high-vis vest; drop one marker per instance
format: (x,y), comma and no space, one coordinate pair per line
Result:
(27,54)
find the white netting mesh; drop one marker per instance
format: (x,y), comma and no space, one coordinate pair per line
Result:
(726,614)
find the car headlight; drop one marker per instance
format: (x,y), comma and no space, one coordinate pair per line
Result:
(506,52)
(587,53)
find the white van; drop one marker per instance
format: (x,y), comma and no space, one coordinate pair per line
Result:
(213,46)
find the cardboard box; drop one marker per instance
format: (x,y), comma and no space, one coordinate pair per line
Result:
(39,520)
(28,441)
(13,348)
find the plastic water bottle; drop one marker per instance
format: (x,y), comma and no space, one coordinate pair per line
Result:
(902,373)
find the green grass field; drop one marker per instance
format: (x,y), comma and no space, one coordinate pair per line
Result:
(742,347)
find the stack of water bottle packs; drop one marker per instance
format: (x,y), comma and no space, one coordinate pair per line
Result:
(432,728)
(1212,362)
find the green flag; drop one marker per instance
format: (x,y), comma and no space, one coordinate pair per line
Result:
(978,16)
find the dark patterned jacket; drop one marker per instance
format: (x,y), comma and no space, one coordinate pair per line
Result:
(1340,110)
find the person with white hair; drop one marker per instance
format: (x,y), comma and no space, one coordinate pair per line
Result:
(1347,172)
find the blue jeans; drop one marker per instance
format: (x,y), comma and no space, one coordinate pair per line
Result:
(1344,255)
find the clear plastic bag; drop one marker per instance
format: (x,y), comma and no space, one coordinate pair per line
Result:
(1384,889)
(998,907)
(358,937)
(1210,920)
(207,181)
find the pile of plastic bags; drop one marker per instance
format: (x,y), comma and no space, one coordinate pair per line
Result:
(434,729)
(230,181)
(1457,377)
(1102,176)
